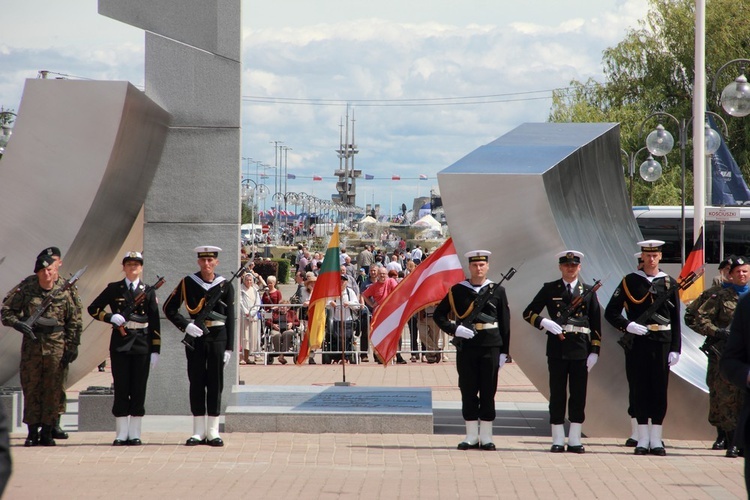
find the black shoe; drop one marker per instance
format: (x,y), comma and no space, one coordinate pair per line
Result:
(631,443)
(58,433)
(639,450)
(488,446)
(311,361)
(364,359)
(33,437)
(720,443)
(400,360)
(45,437)
(658,451)
(194,442)
(733,452)
(134,442)
(215,442)
(120,442)
(557,448)
(463,446)
(576,449)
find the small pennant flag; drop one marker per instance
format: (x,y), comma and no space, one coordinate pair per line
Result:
(292,176)
(369,177)
(422,177)
(317,178)
(395,177)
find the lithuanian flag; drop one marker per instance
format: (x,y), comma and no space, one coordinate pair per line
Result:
(327,286)
(693,263)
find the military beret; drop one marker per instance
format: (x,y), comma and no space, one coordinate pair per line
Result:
(43,261)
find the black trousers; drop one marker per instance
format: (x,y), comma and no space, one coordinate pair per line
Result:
(130,375)
(650,380)
(564,374)
(364,324)
(205,367)
(630,376)
(336,336)
(477,379)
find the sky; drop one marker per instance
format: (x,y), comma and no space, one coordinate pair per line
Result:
(426,82)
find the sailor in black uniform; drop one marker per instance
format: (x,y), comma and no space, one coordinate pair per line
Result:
(482,336)
(572,346)
(205,363)
(133,350)
(656,342)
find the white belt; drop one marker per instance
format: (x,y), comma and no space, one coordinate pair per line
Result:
(658,328)
(576,329)
(134,325)
(484,326)
(211,323)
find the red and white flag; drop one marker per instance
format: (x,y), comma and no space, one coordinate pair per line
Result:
(317,178)
(422,177)
(424,286)
(395,177)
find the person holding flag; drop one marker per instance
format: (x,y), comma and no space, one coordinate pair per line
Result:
(481,331)
(327,286)
(711,315)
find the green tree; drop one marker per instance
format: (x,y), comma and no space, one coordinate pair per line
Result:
(652,69)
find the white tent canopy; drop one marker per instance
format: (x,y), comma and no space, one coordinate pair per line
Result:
(428,221)
(368,220)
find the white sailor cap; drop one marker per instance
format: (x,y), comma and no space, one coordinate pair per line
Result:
(637,255)
(207,251)
(478,255)
(135,256)
(569,257)
(650,245)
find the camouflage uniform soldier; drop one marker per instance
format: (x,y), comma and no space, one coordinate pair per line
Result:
(42,360)
(710,315)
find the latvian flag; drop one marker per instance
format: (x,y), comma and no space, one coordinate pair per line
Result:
(317,178)
(395,177)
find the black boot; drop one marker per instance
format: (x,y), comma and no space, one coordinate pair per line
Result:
(721,440)
(57,431)
(732,450)
(33,438)
(46,437)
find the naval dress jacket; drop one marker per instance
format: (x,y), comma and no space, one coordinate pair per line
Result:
(459,303)
(192,291)
(143,322)
(576,344)
(636,294)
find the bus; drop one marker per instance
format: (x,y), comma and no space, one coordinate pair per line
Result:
(665,223)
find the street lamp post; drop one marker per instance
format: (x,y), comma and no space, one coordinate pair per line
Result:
(631,167)
(660,143)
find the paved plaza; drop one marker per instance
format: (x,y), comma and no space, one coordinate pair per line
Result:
(290,465)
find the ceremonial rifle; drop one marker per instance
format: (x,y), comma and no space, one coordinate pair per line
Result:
(479,302)
(36,316)
(575,304)
(626,341)
(212,297)
(138,300)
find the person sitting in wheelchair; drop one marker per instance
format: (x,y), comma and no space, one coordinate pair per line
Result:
(344,316)
(283,325)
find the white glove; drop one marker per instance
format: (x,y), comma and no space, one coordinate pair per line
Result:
(117,320)
(154,359)
(227,356)
(464,333)
(673,359)
(551,326)
(503,359)
(591,361)
(193,330)
(636,329)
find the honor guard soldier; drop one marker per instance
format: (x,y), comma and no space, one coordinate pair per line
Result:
(481,331)
(207,353)
(652,341)
(134,345)
(48,345)
(710,315)
(573,343)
